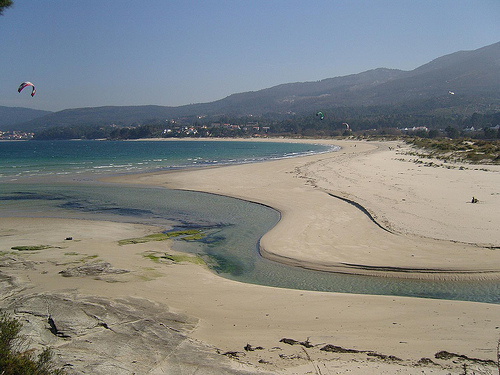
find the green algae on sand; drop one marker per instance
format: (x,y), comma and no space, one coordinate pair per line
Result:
(188,235)
(176,258)
(32,248)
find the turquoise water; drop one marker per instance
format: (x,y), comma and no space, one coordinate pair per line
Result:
(232,227)
(58,158)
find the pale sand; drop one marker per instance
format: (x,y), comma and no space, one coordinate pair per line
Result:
(319,231)
(322,232)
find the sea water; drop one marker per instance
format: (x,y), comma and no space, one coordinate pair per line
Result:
(232,228)
(21,159)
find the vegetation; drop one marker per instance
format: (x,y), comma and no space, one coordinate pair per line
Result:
(460,150)
(15,358)
(190,234)
(474,139)
(73,132)
(4,4)
(154,258)
(148,238)
(89,257)
(176,258)
(378,99)
(31,248)
(361,121)
(71,253)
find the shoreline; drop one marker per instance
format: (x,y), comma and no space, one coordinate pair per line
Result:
(95,173)
(224,314)
(423,262)
(219,319)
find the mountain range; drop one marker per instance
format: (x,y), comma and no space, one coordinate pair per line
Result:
(457,84)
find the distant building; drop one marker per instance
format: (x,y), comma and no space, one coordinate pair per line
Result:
(15,135)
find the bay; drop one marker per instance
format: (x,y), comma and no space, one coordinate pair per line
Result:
(21,159)
(232,228)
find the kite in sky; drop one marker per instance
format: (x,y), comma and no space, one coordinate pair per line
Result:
(25,84)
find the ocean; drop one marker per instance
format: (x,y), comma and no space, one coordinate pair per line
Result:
(65,174)
(21,159)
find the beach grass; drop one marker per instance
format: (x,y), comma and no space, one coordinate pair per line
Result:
(460,150)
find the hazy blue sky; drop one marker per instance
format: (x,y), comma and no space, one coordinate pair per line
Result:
(128,52)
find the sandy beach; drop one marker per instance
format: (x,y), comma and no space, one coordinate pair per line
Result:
(372,208)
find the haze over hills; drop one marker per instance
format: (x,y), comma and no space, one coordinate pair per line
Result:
(10,116)
(456,84)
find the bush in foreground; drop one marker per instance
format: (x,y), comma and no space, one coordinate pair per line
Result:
(15,358)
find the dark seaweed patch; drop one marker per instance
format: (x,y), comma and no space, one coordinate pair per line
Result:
(213,240)
(86,206)
(26,195)
(225,264)
(211,232)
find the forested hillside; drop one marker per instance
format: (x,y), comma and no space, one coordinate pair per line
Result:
(447,91)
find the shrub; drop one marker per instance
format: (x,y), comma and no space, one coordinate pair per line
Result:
(15,358)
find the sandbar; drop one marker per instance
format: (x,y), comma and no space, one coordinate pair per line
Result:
(366,209)
(369,208)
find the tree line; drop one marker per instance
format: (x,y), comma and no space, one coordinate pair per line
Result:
(482,126)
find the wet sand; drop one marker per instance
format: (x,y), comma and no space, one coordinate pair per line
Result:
(366,209)
(416,221)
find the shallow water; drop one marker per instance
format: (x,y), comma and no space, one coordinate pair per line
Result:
(233,229)
(21,159)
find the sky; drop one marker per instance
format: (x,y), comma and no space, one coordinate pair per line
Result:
(175,52)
